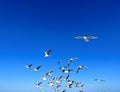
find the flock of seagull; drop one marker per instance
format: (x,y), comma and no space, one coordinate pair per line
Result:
(56,82)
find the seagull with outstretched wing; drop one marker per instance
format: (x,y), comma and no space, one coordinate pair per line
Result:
(29,66)
(47,53)
(86,38)
(37,68)
(80,68)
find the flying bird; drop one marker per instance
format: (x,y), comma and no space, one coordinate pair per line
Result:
(49,73)
(99,80)
(71,81)
(28,66)
(44,77)
(81,88)
(66,79)
(67,71)
(69,86)
(47,53)
(71,60)
(51,83)
(77,83)
(58,80)
(86,38)
(80,68)
(57,88)
(37,68)
(38,85)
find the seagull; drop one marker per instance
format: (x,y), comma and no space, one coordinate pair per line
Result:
(86,38)
(51,83)
(38,85)
(80,68)
(58,80)
(67,71)
(28,66)
(81,88)
(76,84)
(69,86)
(70,81)
(71,60)
(66,79)
(37,68)
(44,77)
(99,80)
(47,53)
(49,73)
(57,88)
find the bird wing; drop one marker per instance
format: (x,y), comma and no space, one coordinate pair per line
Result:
(79,37)
(92,37)
(30,65)
(39,83)
(38,67)
(48,52)
(77,70)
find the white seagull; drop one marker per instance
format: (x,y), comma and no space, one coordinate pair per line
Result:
(81,88)
(49,73)
(51,83)
(76,84)
(28,66)
(66,79)
(57,88)
(69,86)
(99,80)
(38,85)
(47,53)
(58,80)
(37,68)
(44,77)
(86,38)
(71,60)
(67,71)
(80,68)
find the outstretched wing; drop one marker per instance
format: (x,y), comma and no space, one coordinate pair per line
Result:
(92,37)
(79,37)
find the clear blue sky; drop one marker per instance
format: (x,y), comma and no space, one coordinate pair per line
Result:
(30,27)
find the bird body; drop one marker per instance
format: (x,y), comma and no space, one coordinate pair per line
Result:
(38,85)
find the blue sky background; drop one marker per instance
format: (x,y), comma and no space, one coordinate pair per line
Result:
(30,27)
